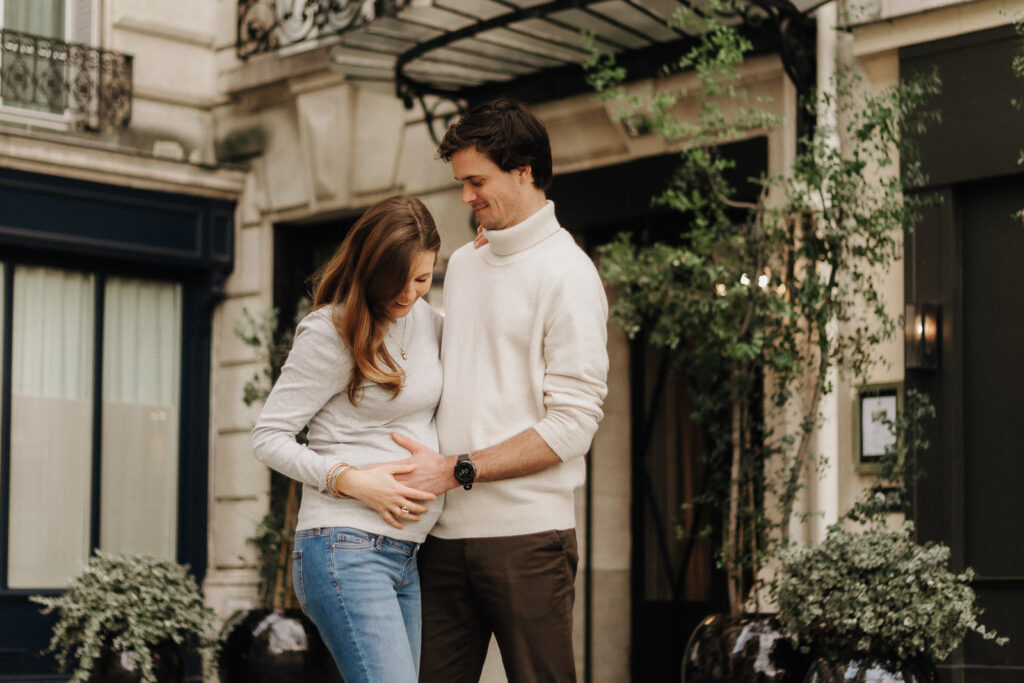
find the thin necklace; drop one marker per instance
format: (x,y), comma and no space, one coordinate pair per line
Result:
(401,344)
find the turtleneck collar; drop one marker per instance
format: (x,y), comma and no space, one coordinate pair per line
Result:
(533,230)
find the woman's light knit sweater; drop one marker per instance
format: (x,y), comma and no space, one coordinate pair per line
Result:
(312,390)
(525,345)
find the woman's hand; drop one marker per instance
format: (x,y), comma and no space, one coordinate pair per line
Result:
(480,239)
(377,487)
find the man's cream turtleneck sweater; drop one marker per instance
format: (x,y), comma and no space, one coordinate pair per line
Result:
(524,345)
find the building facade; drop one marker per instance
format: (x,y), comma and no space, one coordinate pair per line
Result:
(166,167)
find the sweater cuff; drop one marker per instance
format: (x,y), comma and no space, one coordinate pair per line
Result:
(566,443)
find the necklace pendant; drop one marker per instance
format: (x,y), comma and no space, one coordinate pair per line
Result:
(404,357)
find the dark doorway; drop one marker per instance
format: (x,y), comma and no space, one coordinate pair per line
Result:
(966,257)
(300,249)
(674,583)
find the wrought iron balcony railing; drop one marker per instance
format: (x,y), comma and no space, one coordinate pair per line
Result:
(91,85)
(445,54)
(268,25)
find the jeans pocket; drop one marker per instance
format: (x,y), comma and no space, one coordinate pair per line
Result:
(300,592)
(352,540)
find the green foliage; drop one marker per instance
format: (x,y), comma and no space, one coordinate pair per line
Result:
(261,333)
(275,533)
(129,603)
(759,300)
(897,466)
(876,591)
(272,541)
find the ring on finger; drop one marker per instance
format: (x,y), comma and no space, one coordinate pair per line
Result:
(405,510)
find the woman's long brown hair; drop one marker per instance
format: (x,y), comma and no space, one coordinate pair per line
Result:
(365,275)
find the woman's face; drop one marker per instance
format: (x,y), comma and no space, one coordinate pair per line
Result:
(421,273)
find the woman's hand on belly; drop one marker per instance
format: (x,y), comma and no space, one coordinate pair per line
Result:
(377,487)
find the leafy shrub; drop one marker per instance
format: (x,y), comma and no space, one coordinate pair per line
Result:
(129,603)
(877,592)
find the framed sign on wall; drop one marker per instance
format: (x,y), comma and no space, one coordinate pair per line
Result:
(878,405)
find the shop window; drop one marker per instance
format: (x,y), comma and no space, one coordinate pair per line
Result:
(141,397)
(95,365)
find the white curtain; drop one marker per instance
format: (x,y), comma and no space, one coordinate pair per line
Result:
(81,25)
(39,17)
(43,89)
(51,426)
(141,386)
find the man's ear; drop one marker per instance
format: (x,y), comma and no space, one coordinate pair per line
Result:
(525,173)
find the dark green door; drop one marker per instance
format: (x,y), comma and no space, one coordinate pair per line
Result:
(967,256)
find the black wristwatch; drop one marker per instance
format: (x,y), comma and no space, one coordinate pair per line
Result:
(465,471)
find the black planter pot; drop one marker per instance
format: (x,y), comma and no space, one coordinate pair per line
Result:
(120,667)
(274,646)
(752,649)
(872,670)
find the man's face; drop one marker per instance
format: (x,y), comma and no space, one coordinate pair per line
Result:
(499,198)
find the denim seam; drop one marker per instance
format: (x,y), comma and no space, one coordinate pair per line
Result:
(298,586)
(345,613)
(405,570)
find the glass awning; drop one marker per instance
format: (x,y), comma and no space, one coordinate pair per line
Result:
(465,50)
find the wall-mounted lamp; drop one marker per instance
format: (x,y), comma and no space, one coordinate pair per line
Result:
(921,332)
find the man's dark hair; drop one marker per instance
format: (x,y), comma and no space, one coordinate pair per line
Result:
(507,133)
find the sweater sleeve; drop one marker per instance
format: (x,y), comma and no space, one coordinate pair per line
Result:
(576,363)
(317,368)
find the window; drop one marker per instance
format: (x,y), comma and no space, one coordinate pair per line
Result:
(35,62)
(95,365)
(106,302)
(70,20)
(43,18)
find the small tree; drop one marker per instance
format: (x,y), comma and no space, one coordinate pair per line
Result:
(760,302)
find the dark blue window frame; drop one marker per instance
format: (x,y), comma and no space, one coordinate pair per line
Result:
(111,230)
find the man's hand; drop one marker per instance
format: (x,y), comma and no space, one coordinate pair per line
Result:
(433,472)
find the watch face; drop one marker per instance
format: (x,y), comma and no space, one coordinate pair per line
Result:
(464,472)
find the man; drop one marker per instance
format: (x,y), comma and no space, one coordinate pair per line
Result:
(525,361)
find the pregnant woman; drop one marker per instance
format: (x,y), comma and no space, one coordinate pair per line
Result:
(364,363)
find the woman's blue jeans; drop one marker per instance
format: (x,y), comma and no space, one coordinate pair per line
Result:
(363,593)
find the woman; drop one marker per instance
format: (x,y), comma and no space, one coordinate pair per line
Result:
(364,363)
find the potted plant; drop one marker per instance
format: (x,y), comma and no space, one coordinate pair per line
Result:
(870,602)
(770,287)
(131,614)
(874,601)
